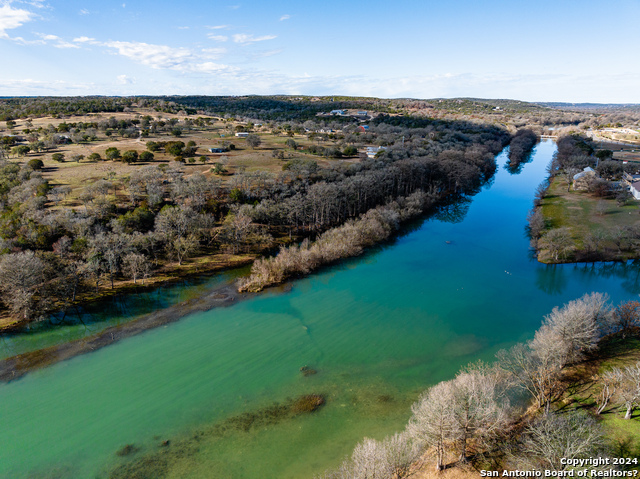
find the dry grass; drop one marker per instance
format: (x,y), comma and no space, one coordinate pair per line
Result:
(78,175)
(425,469)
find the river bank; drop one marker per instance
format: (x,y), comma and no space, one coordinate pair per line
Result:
(166,274)
(580,227)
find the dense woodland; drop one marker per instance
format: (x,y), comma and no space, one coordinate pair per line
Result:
(521,147)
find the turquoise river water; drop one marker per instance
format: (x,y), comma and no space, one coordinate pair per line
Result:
(379,329)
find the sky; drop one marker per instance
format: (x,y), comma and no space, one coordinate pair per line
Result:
(560,50)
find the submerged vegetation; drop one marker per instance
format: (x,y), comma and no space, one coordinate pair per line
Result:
(157,464)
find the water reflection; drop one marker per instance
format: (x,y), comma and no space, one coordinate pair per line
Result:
(454,212)
(516,169)
(553,279)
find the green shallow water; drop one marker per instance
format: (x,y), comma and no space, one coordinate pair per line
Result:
(378,329)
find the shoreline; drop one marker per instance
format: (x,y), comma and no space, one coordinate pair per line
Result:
(587,228)
(15,367)
(18,366)
(167,277)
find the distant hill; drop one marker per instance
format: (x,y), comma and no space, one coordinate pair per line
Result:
(593,107)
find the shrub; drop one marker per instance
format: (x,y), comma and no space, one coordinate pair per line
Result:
(35,164)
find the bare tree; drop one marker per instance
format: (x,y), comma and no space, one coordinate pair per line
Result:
(182,247)
(401,451)
(535,371)
(574,329)
(136,266)
(369,460)
(480,410)
(558,241)
(611,381)
(235,230)
(630,389)
(20,276)
(626,316)
(552,437)
(432,422)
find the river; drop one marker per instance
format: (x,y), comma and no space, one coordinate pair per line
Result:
(378,330)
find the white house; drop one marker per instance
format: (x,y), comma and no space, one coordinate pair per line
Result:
(634,189)
(373,150)
(242,134)
(580,179)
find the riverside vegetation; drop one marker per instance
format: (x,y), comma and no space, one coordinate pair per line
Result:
(526,411)
(61,243)
(590,219)
(87,210)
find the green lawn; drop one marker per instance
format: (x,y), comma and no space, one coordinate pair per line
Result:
(583,213)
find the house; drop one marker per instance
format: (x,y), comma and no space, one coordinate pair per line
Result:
(630,179)
(217,150)
(634,189)
(581,180)
(338,112)
(242,134)
(372,151)
(361,113)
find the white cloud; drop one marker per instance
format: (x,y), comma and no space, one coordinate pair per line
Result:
(285,17)
(155,56)
(263,54)
(57,42)
(184,28)
(218,38)
(44,87)
(84,11)
(218,27)
(125,80)
(169,58)
(11,18)
(213,53)
(245,39)
(234,7)
(208,67)
(91,41)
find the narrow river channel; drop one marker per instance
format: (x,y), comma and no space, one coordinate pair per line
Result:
(378,330)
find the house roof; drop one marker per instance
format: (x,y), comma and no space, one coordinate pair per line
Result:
(584,172)
(636,185)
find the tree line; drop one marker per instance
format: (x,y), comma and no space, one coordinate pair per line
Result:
(521,147)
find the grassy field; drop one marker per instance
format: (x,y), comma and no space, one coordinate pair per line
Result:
(622,436)
(77,175)
(582,213)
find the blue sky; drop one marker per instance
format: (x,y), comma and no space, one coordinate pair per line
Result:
(562,50)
